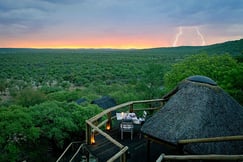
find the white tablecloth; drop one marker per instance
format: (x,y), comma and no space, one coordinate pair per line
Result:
(132,116)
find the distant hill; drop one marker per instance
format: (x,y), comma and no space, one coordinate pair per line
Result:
(231,47)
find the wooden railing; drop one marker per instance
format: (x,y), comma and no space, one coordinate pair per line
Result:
(68,147)
(92,124)
(164,157)
(212,139)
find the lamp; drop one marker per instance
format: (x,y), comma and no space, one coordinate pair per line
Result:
(92,138)
(108,125)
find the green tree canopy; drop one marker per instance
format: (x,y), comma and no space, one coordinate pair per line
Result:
(18,133)
(29,97)
(223,69)
(59,121)
(55,122)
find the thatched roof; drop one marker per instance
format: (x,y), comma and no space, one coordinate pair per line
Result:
(105,102)
(81,100)
(198,109)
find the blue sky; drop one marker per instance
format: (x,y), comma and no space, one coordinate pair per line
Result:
(118,23)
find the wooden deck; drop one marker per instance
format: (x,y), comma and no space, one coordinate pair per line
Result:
(103,149)
(109,146)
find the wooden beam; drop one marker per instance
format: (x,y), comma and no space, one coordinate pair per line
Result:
(92,127)
(104,134)
(212,139)
(131,108)
(88,133)
(119,154)
(199,157)
(142,109)
(98,116)
(148,150)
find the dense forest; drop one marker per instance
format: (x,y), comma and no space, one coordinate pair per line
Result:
(39,88)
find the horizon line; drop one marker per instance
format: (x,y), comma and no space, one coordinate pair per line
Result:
(111,48)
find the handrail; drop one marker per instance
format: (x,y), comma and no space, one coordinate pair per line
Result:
(212,139)
(67,150)
(96,117)
(103,122)
(148,101)
(105,112)
(76,152)
(163,157)
(104,134)
(204,157)
(117,155)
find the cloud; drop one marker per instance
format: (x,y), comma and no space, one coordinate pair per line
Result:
(127,12)
(193,12)
(90,18)
(63,1)
(22,17)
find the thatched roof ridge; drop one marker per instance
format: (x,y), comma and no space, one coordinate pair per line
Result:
(105,102)
(202,79)
(198,110)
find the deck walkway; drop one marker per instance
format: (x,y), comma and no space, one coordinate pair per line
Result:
(103,149)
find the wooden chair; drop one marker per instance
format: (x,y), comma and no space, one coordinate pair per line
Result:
(144,115)
(126,126)
(143,118)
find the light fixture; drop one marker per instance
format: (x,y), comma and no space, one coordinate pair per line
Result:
(108,125)
(92,139)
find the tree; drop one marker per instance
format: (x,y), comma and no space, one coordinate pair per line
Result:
(3,86)
(152,81)
(59,121)
(18,135)
(55,123)
(29,97)
(81,113)
(223,69)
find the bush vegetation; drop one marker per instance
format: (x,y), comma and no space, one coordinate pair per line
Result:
(39,89)
(223,69)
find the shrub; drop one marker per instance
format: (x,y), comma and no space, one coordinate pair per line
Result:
(29,97)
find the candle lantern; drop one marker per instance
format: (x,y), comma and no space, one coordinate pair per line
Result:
(108,125)
(92,139)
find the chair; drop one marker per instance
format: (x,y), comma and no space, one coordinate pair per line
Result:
(126,126)
(143,118)
(144,115)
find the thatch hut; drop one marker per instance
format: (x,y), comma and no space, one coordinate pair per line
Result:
(198,108)
(81,100)
(105,102)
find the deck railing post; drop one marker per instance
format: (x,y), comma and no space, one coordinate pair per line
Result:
(131,108)
(88,134)
(148,150)
(123,157)
(109,122)
(180,148)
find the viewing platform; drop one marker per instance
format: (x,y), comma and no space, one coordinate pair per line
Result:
(101,132)
(104,140)
(103,149)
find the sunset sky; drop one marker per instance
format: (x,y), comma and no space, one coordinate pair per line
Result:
(118,23)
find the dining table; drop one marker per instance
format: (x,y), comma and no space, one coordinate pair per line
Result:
(128,116)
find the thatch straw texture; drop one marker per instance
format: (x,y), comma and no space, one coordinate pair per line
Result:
(198,110)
